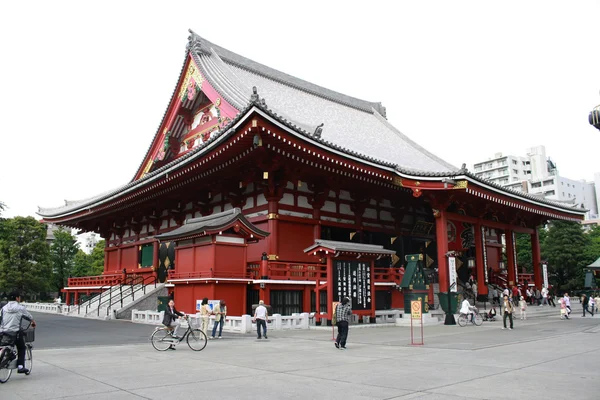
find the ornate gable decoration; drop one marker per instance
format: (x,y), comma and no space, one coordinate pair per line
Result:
(192,83)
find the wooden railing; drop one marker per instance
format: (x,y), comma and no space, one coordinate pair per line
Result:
(388,275)
(99,280)
(297,271)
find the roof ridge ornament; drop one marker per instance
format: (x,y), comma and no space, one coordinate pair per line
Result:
(194,42)
(319,130)
(255,97)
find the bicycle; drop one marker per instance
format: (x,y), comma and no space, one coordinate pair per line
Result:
(477,319)
(162,338)
(8,353)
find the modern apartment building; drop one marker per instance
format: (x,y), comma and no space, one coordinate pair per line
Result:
(537,174)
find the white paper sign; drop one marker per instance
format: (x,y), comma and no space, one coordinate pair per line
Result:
(452,273)
(545,273)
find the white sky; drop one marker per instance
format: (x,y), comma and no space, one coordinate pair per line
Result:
(83,86)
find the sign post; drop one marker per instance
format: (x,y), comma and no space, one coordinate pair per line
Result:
(416,315)
(545,274)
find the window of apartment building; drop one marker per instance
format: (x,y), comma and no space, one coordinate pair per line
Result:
(488,165)
(503,181)
(504,171)
(528,172)
(502,162)
(568,185)
(515,171)
(569,195)
(549,193)
(477,168)
(562,183)
(536,185)
(515,179)
(563,194)
(549,182)
(514,162)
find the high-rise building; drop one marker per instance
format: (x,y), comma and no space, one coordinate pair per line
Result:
(537,174)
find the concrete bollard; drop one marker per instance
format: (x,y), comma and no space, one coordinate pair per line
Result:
(304,320)
(277,322)
(246,324)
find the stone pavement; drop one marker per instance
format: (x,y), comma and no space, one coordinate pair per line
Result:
(540,357)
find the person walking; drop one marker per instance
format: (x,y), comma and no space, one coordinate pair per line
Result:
(508,310)
(205,312)
(592,304)
(563,309)
(551,297)
(585,302)
(261,315)
(219,312)
(567,301)
(343,311)
(523,308)
(597,301)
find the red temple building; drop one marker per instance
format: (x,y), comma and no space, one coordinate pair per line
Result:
(259,185)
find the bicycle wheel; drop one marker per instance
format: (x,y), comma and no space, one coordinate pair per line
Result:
(5,372)
(196,339)
(161,340)
(477,319)
(462,320)
(28,359)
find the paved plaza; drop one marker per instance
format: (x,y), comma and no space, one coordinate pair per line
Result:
(542,357)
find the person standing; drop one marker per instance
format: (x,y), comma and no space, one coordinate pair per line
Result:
(515,295)
(592,304)
(343,311)
(261,315)
(544,297)
(508,310)
(551,296)
(523,308)
(563,309)
(10,324)
(597,301)
(219,312)
(205,312)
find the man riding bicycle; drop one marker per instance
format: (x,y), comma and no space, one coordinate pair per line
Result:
(10,324)
(467,309)
(171,319)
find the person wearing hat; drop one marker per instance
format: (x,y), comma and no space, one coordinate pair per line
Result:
(343,312)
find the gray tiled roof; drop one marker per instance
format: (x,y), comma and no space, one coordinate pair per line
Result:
(356,125)
(352,126)
(212,222)
(349,247)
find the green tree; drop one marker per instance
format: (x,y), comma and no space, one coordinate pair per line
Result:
(592,251)
(97,256)
(89,264)
(565,250)
(24,256)
(62,253)
(523,244)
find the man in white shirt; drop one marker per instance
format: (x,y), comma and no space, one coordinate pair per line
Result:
(261,316)
(466,308)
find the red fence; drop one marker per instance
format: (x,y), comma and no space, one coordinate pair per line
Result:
(100,280)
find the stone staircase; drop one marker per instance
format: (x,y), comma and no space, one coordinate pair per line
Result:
(112,302)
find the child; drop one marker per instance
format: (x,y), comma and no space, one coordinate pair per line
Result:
(563,309)
(523,308)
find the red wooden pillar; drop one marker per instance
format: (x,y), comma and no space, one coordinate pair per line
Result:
(306,299)
(155,262)
(441,237)
(480,256)
(536,258)
(510,250)
(67,298)
(329,288)
(76,297)
(272,227)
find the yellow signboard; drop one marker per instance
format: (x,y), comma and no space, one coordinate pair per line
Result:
(415,309)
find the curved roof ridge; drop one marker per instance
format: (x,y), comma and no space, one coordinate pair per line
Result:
(214,69)
(202,45)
